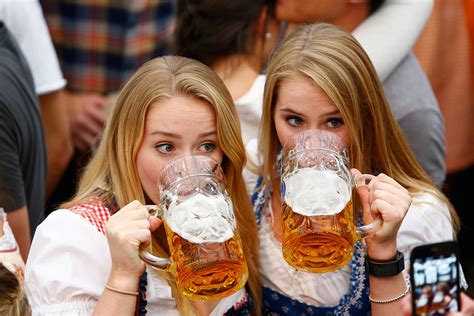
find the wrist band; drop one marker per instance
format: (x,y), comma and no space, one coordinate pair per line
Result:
(386,268)
(394,299)
(120,291)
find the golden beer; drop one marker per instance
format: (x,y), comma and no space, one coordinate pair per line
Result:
(318,243)
(207,271)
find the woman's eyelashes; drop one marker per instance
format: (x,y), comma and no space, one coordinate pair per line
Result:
(330,123)
(334,122)
(293,120)
(164,148)
(167,148)
(207,147)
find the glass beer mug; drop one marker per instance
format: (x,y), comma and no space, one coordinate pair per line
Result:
(205,249)
(319,232)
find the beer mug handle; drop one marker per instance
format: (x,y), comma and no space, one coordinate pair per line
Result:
(157,262)
(369,229)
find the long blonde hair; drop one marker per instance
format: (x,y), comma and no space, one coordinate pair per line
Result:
(334,61)
(113,168)
(13,301)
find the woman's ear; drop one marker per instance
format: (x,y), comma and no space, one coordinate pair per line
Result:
(260,26)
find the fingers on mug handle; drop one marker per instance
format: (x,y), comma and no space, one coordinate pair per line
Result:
(369,229)
(154,210)
(359,182)
(157,262)
(363,180)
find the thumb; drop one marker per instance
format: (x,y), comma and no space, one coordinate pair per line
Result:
(363,193)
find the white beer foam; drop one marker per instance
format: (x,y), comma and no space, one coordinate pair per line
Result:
(202,219)
(311,192)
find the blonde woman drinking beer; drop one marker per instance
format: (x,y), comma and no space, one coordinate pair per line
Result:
(85,257)
(320,79)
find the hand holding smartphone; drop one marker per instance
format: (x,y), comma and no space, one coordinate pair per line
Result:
(434,275)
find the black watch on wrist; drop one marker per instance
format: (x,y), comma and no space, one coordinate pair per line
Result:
(385,268)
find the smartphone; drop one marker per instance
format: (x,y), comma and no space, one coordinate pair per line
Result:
(434,275)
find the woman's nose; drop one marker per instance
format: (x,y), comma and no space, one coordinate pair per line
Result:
(184,153)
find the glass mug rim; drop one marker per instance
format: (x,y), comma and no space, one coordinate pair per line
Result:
(215,172)
(292,152)
(338,142)
(339,152)
(339,157)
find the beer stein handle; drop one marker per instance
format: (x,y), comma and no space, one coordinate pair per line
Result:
(369,229)
(157,262)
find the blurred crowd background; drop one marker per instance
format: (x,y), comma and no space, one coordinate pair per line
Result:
(98,44)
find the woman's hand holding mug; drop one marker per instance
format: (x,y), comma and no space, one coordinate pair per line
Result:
(128,230)
(385,198)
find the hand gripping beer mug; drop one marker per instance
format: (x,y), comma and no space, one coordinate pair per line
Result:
(205,250)
(319,232)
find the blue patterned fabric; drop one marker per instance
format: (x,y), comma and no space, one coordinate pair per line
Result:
(141,299)
(354,302)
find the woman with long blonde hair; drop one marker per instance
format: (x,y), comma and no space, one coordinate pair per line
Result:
(320,78)
(84,257)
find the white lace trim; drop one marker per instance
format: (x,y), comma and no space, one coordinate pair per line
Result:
(69,308)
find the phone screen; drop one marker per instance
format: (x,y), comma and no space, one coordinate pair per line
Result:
(434,273)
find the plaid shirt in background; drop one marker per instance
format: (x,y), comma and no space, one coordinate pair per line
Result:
(101,43)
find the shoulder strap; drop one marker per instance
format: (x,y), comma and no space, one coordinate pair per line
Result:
(96,214)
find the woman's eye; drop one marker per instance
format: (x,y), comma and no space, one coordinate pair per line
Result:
(207,147)
(164,148)
(294,121)
(335,122)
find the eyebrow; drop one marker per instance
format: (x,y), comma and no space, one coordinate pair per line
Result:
(176,136)
(288,110)
(211,133)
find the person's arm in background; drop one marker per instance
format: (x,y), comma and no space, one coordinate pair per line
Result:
(20,225)
(36,45)
(389,33)
(427,128)
(87,114)
(12,191)
(57,137)
(70,119)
